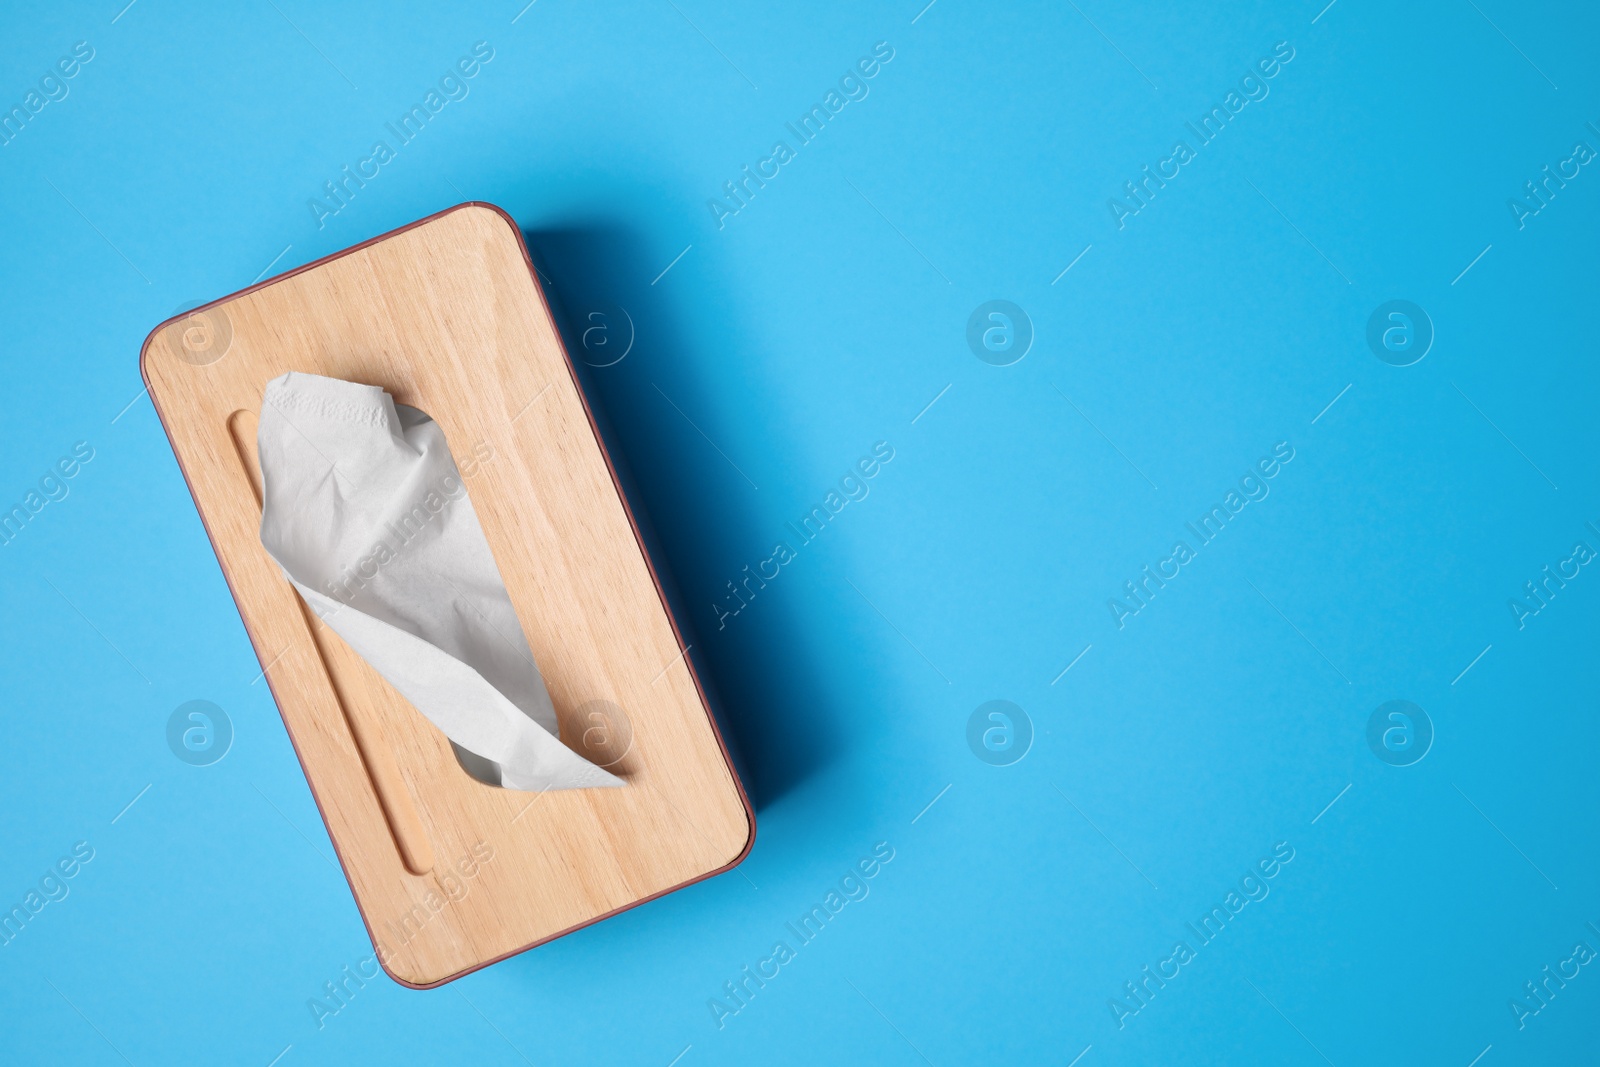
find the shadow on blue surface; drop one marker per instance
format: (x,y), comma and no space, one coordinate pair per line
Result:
(773,716)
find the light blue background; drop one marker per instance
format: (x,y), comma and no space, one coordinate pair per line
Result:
(822,318)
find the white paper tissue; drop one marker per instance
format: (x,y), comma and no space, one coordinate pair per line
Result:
(368,517)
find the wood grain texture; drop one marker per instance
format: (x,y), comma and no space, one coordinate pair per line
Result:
(451,874)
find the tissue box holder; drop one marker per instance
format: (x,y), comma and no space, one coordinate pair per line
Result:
(450,874)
